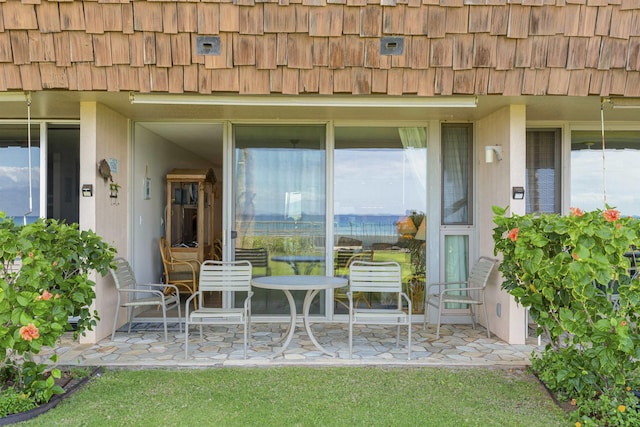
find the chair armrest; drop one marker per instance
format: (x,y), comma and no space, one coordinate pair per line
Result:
(142,291)
(247,301)
(439,285)
(184,263)
(162,287)
(187,303)
(409,304)
(451,290)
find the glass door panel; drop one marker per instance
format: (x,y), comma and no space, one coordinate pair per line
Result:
(380,178)
(279,191)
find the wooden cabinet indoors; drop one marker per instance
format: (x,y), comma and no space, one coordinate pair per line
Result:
(189,228)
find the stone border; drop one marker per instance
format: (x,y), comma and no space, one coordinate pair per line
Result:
(28,415)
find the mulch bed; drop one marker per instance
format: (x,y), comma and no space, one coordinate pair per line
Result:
(67,382)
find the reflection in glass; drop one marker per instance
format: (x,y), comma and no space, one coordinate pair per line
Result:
(621,159)
(380,178)
(14,172)
(280,204)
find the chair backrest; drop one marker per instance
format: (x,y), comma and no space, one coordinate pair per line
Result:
(225,276)
(165,253)
(342,258)
(123,275)
(383,276)
(258,257)
(480,272)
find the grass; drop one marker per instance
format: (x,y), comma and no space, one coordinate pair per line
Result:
(307,396)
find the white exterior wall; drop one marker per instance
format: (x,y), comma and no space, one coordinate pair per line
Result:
(104,135)
(506,128)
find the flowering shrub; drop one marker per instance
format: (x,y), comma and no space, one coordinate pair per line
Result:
(44,280)
(574,274)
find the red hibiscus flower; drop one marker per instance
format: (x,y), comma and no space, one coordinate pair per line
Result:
(29,332)
(611,215)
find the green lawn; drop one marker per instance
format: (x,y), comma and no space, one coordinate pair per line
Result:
(307,396)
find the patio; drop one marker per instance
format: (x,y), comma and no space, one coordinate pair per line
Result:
(459,345)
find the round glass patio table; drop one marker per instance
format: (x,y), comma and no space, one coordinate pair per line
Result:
(313,285)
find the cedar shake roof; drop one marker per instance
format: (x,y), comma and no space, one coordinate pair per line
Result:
(451,47)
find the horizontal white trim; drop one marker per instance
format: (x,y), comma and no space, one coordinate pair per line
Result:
(14,96)
(620,102)
(308,101)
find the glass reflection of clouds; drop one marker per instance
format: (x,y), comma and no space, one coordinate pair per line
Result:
(14,180)
(622,157)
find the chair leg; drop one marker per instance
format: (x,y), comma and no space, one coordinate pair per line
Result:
(245,339)
(473,316)
(186,337)
(115,322)
(439,317)
(130,318)
(409,338)
(486,318)
(350,336)
(164,320)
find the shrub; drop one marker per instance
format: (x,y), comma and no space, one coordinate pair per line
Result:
(44,280)
(573,273)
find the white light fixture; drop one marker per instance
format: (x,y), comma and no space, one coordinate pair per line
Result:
(14,96)
(308,101)
(491,151)
(620,102)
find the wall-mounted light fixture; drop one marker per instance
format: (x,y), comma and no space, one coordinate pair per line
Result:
(308,101)
(491,151)
(517,193)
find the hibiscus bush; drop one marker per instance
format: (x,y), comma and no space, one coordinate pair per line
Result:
(44,281)
(575,275)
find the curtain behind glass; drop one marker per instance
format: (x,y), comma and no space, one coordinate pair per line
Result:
(543,178)
(457,170)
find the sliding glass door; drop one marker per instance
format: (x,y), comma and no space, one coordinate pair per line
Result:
(279,193)
(380,176)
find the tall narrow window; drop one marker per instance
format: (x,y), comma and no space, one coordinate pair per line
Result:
(457,170)
(543,170)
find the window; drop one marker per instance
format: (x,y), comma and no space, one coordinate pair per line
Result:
(457,173)
(613,169)
(543,170)
(14,172)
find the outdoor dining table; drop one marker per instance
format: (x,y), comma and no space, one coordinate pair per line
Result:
(313,285)
(295,261)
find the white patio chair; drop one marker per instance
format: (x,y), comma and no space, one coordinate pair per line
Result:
(470,292)
(141,295)
(374,277)
(223,276)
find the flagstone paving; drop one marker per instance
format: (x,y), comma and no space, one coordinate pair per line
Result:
(458,345)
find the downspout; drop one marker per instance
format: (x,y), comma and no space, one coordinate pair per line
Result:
(24,218)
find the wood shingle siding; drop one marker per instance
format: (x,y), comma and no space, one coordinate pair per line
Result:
(523,47)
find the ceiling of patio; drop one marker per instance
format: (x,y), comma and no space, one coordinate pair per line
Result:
(176,122)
